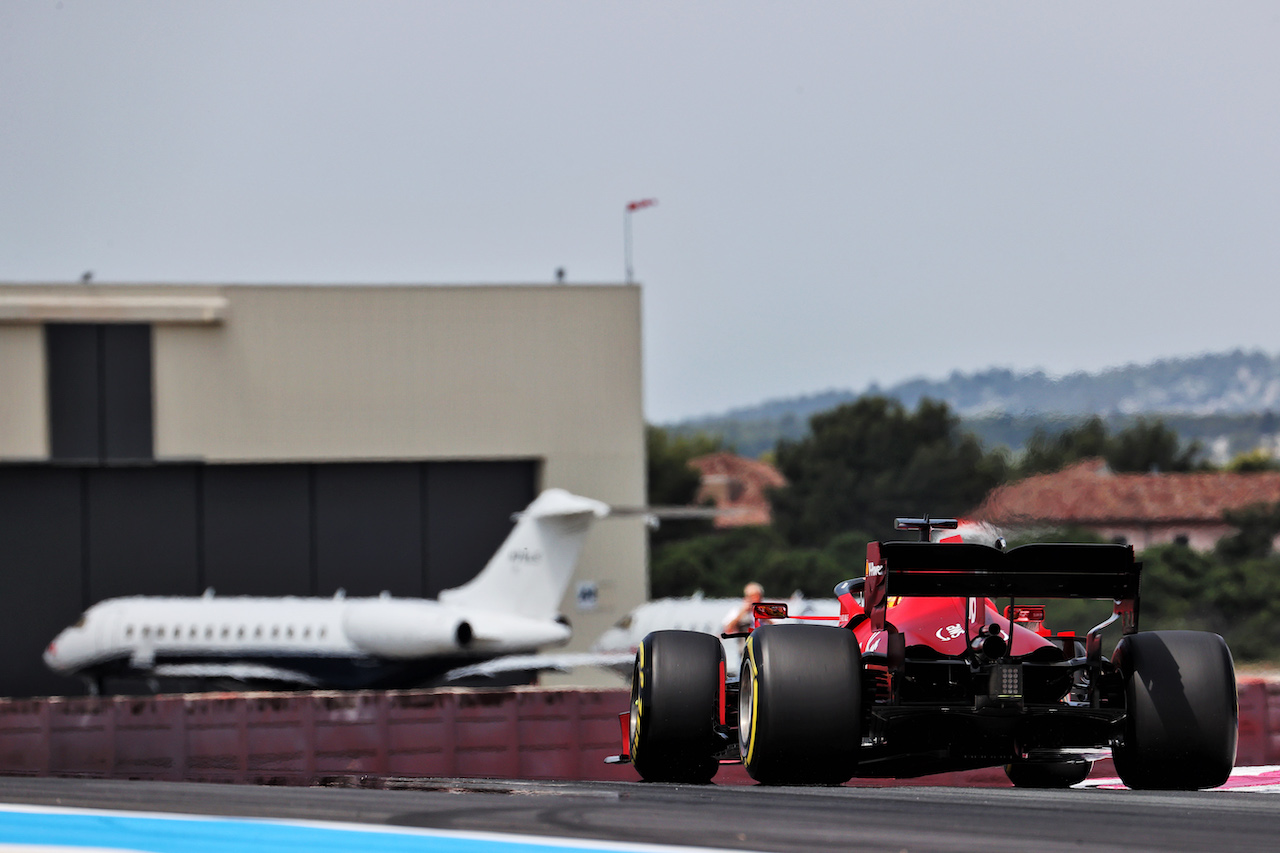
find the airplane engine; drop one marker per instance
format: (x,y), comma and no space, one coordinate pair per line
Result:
(397,628)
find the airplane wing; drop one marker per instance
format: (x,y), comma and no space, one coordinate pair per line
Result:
(654,515)
(537,663)
(237,671)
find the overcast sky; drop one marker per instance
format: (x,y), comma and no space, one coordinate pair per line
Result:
(848,192)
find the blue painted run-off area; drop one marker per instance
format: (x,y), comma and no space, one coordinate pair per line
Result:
(186,834)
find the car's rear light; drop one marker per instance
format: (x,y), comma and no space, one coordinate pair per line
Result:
(1006,681)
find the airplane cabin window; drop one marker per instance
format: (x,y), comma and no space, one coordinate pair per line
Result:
(240,633)
(226,632)
(306,633)
(146,630)
(208,632)
(275,632)
(323,631)
(257,632)
(128,631)
(289,632)
(160,633)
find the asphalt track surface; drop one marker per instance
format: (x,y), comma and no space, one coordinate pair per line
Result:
(738,817)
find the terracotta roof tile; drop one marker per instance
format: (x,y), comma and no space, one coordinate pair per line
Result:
(736,482)
(1090,493)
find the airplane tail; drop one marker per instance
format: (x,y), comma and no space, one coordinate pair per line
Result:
(530,572)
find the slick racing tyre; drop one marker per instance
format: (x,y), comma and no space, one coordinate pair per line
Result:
(800,706)
(1181,710)
(1047,774)
(676,690)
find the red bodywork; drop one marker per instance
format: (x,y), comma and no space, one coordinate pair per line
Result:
(940,624)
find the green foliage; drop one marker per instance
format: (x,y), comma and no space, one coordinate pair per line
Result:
(1143,445)
(1252,461)
(672,481)
(1239,600)
(1046,451)
(867,462)
(1257,526)
(721,563)
(1148,445)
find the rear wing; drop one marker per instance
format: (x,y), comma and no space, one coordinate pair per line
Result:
(966,569)
(972,570)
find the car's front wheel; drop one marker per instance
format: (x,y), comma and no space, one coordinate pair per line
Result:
(800,705)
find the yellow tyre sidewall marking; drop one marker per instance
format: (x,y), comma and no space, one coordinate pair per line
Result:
(755,697)
(639,706)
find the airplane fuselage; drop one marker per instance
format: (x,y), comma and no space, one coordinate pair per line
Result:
(343,643)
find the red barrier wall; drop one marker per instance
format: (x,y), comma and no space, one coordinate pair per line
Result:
(310,738)
(305,738)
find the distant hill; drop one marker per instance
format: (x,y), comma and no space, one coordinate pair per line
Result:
(1224,401)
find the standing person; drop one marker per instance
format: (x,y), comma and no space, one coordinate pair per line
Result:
(740,619)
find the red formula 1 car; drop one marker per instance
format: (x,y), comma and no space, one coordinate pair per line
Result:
(927,675)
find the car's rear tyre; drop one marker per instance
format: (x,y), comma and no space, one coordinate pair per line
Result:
(1047,774)
(675,707)
(1182,713)
(800,706)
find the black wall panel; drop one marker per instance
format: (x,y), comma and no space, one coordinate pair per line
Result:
(142,525)
(75,393)
(100,396)
(41,573)
(368,529)
(257,529)
(468,514)
(126,391)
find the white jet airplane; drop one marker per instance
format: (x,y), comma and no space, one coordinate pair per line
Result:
(511,608)
(694,613)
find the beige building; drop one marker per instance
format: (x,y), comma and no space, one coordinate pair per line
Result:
(224,394)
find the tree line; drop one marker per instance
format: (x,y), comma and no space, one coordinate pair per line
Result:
(863,463)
